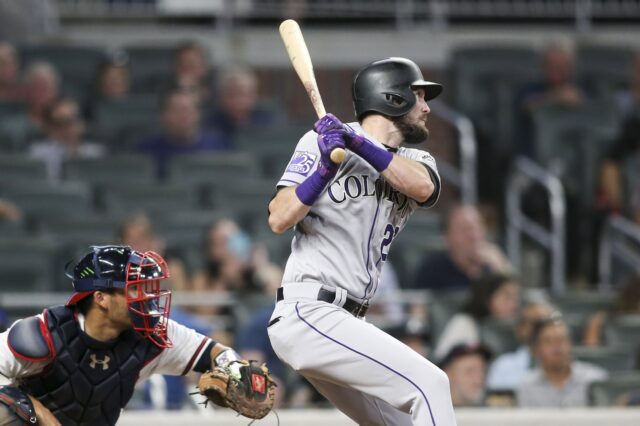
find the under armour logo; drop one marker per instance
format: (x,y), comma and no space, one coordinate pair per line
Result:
(95,360)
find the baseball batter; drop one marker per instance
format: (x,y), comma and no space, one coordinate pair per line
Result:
(346,217)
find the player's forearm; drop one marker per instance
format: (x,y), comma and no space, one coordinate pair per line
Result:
(285,210)
(409,177)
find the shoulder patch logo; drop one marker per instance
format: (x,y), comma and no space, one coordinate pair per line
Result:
(301,162)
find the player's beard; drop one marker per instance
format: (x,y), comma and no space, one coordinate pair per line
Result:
(412,133)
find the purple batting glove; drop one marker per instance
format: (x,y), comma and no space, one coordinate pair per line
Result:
(309,190)
(326,123)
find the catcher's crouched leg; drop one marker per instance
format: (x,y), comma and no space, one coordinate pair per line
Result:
(243,386)
(16,408)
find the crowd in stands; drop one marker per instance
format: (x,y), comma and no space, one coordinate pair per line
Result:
(464,292)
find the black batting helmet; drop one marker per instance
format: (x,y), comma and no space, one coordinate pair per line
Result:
(386,87)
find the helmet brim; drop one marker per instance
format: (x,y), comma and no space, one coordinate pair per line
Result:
(76,297)
(431,90)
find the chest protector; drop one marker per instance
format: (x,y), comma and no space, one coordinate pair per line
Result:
(89,382)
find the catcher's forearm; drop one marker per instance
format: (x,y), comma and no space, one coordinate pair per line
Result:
(222,355)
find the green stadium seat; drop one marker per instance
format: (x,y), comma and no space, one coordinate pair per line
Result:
(28,264)
(77,65)
(214,169)
(624,331)
(152,199)
(249,198)
(499,336)
(44,201)
(611,359)
(609,393)
(442,307)
(583,304)
(132,169)
(604,70)
(117,122)
(151,67)
(16,168)
(273,146)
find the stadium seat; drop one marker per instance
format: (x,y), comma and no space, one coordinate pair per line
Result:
(45,201)
(499,336)
(273,146)
(611,392)
(248,197)
(584,304)
(214,167)
(493,75)
(612,359)
(77,65)
(624,331)
(119,122)
(442,307)
(28,264)
(150,67)
(117,170)
(17,168)
(604,70)
(152,198)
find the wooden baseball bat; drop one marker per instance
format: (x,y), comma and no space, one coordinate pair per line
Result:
(301,61)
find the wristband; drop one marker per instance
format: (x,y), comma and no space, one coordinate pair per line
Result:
(309,190)
(378,157)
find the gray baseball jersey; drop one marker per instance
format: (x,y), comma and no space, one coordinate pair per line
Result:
(345,238)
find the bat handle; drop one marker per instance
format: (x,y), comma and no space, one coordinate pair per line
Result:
(337,155)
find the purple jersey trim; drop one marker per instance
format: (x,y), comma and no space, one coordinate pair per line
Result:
(369,358)
(373,224)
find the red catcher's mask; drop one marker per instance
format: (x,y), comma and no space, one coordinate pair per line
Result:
(149,304)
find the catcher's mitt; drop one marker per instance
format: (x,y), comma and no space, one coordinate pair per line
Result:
(242,386)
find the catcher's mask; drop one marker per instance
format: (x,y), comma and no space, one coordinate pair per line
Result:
(139,275)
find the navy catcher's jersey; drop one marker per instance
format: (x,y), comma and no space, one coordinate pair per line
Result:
(345,238)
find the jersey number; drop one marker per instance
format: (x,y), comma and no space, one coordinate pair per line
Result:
(389,234)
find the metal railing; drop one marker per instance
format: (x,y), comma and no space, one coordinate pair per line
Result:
(619,235)
(464,176)
(525,174)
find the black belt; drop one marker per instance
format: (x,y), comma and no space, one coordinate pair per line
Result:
(352,306)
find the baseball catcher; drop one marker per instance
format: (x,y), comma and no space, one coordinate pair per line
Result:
(78,364)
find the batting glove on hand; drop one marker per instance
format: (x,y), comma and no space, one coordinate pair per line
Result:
(327,123)
(327,142)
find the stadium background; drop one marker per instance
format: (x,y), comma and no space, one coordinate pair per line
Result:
(537,179)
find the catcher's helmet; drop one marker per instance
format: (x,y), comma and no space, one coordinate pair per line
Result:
(138,274)
(386,86)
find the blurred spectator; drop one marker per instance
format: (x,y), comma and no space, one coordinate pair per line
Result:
(42,86)
(466,367)
(227,259)
(492,296)
(469,254)
(9,211)
(556,88)
(64,138)
(415,333)
(10,86)
(238,106)
(182,132)
(627,302)
(112,82)
(612,197)
(509,369)
(137,232)
(558,381)
(192,71)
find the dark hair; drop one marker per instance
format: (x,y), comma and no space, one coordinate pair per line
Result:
(186,46)
(628,300)
(539,326)
(84,305)
(482,290)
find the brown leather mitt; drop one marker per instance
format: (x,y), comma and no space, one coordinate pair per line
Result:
(243,386)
